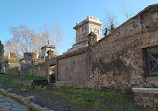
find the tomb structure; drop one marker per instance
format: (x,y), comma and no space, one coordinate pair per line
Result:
(83,29)
(46,50)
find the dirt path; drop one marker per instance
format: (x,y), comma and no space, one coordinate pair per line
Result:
(45,99)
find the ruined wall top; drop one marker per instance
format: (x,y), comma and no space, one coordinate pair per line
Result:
(90,19)
(12,56)
(144,21)
(45,50)
(83,29)
(48,46)
(29,56)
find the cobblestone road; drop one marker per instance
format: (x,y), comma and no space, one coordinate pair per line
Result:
(8,104)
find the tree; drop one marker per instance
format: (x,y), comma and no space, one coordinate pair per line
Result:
(106,31)
(110,23)
(128,14)
(53,34)
(112,27)
(1,53)
(1,50)
(27,40)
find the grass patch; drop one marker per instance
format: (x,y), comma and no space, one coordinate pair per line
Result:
(23,77)
(98,100)
(36,80)
(87,97)
(12,83)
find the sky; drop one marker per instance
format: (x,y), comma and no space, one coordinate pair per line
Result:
(36,13)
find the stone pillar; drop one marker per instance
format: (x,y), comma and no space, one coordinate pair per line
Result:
(92,38)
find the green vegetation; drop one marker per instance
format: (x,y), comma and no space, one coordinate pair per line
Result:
(85,97)
(109,29)
(23,77)
(36,80)
(50,53)
(1,50)
(13,61)
(4,80)
(1,53)
(95,99)
(153,75)
(10,61)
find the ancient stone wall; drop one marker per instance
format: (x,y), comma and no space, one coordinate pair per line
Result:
(25,67)
(4,68)
(10,67)
(36,67)
(146,97)
(12,56)
(25,72)
(14,68)
(72,69)
(39,70)
(29,56)
(117,61)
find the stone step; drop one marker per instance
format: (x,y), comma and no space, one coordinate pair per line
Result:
(152,80)
(145,90)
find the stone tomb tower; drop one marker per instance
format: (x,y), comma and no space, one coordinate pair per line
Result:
(29,56)
(45,50)
(83,29)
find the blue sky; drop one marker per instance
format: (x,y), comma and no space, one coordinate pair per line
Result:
(36,13)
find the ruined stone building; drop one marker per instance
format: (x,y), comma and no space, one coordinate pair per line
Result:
(30,64)
(125,58)
(11,65)
(26,63)
(36,66)
(46,49)
(119,61)
(72,68)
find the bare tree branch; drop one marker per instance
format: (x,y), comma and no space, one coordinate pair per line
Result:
(128,14)
(27,40)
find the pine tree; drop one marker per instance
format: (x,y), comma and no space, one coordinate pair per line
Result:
(112,27)
(109,30)
(1,53)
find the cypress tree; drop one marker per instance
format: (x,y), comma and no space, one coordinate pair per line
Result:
(1,50)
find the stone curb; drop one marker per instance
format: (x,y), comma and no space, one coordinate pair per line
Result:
(23,100)
(145,90)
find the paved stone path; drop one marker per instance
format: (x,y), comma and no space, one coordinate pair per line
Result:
(8,104)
